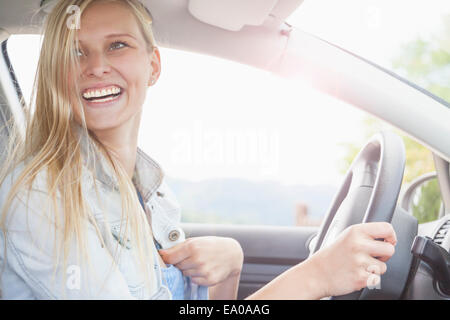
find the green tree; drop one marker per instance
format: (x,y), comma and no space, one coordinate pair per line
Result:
(425,62)
(427,202)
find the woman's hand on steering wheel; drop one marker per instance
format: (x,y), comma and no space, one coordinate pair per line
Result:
(356,259)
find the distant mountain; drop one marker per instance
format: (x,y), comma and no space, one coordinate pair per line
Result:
(243,201)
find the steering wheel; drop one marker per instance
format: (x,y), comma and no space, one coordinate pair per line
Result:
(369,192)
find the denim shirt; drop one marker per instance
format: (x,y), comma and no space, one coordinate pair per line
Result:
(181,287)
(29,268)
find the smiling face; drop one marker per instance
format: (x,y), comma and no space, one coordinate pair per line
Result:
(116,67)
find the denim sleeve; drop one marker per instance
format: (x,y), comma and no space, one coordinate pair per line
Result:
(32,253)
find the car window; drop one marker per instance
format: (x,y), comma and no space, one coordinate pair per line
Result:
(242,146)
(410,38)
(239,145)
(23,52)
(426,202)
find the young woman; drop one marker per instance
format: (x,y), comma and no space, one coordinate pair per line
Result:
(86,214)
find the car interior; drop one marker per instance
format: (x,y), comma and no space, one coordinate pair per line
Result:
(372,188)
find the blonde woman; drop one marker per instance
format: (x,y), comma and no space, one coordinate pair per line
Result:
(73,225)
(87,215)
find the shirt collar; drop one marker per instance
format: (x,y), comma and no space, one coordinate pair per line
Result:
(147,177)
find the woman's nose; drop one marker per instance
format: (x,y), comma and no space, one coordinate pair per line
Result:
(96,65)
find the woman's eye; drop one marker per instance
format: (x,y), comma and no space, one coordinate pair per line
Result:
(118,45)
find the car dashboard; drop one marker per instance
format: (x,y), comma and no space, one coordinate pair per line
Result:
(430,272)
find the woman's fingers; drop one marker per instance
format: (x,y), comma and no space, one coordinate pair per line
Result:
(380,249)
(380,230)
(200,281)
(176,254)
(194,272)
(376,266)
(200,278)
(186,264)
(373,280)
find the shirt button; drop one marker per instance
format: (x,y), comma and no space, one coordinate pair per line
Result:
(174,235)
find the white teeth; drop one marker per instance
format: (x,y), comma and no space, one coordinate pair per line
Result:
(101,93)
(105,99)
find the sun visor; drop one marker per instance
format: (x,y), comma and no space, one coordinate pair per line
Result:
(232,15)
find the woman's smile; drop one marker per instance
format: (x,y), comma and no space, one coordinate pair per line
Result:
(102,96)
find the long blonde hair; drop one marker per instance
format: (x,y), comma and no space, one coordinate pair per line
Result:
(51,142)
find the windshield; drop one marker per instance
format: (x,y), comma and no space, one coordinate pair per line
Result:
(409,38)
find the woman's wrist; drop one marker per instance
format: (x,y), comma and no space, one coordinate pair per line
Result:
(225,290)
(314,278)
(238,259)
(304,281)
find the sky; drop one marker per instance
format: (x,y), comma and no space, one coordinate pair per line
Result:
(375,29)
(209,118)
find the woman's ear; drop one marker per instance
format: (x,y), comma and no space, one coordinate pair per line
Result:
(156,66)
